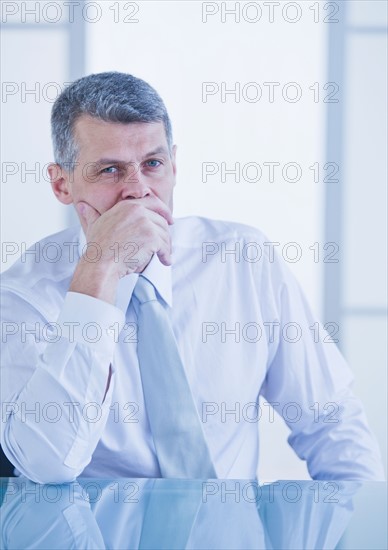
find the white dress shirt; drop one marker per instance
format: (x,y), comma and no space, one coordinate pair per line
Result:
(242,327)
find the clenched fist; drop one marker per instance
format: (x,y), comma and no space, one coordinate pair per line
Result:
(126,236)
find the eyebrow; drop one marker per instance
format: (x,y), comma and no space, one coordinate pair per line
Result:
(159,150)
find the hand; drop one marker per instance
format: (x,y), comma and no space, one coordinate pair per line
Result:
(126,237)
(129,233)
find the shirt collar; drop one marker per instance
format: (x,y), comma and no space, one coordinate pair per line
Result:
(157,273)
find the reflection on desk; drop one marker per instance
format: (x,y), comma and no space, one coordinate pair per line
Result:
(165,513)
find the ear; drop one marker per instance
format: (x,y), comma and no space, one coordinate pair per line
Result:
(173,159)
(59,179)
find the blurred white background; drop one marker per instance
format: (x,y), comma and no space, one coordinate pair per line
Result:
(184,48)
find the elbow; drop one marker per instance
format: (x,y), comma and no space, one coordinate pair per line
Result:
(38,460)
(47,469)
(49,473)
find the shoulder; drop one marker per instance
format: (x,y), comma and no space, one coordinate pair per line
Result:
(241,248)
(194,230)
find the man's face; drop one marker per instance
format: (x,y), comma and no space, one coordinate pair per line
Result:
(117,162)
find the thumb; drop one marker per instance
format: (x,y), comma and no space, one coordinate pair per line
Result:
(87,213)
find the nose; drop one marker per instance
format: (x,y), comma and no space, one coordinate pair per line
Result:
(135,185)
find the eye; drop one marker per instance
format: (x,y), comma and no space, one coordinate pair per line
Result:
(109,170)
(153,163)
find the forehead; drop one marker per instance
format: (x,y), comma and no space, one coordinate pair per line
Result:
(96,136)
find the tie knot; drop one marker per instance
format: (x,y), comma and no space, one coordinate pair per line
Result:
(144,290)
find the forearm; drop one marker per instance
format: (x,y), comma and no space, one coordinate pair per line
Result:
(340,447)
(56,418)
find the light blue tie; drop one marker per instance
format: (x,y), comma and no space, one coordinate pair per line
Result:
(179,440)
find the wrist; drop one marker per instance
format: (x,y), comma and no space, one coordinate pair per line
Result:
(96,279)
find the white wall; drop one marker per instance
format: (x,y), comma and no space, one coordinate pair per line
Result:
(28,66)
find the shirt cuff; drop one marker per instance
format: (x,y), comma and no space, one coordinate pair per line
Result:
(90,321)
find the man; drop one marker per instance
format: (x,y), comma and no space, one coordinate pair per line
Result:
(139,353)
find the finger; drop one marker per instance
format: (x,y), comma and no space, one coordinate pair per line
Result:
(165,212)
(156,205)
(158,220)
(146,215)
(165,250)
(165,257)
(163,235)
(87,212)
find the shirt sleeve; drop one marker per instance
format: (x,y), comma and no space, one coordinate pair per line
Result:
(55,401)
(310,384)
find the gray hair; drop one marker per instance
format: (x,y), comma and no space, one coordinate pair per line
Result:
(112,97)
